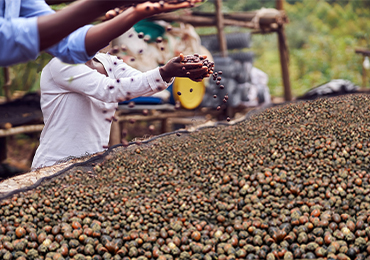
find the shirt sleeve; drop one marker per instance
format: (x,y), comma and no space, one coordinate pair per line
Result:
(86,81)
(72,48)
(19,37)
(121,70)
(19,40)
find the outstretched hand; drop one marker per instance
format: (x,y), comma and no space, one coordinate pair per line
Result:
(153,7)
(176,68)
(149,8)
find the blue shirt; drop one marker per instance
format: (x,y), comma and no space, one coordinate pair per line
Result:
(19,36)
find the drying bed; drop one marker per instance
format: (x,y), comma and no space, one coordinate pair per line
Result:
(291,182)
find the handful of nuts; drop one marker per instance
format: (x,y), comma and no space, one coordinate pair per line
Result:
(172,1)
(196,58)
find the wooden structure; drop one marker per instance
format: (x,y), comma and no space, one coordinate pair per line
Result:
(365,53)
(165,114)
(260,21)
(284,55)
(220,28)
(7,83)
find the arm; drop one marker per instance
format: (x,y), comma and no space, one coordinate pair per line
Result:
(24,32)
(18,31)
(173,68)
(100,35)
(54,27)
(86,81)
(83,43)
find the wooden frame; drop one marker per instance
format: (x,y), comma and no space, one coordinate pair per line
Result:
(365,53)
(269,22)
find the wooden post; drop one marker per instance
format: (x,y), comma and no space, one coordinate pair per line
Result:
(115,133)
(6,87)
(363,72)
(7,83)
(364,53)
(279,5)
(284,56)
(220,28)
(3,149)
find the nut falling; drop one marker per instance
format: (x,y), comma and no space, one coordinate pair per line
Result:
(291,182)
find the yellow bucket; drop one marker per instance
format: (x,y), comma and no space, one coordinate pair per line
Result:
(189,93)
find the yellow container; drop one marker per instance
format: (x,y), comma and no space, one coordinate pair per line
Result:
(188,92)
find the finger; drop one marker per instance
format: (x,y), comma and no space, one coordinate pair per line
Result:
(190,66)
(203,69)
(110,14)
(155,8)
(196,79)
(196,73)
(194,2)
(180,58)
(167,7)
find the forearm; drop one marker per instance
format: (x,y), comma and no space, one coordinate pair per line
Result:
(88,81)
(100,35)
(54,27)
(165,75)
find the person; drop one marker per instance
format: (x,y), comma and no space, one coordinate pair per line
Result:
(28,27)
(78,102)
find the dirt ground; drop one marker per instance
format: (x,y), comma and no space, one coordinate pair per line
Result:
(20,151)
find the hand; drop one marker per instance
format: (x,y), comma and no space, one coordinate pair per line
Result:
(149,8)
(112,13)
(176,68)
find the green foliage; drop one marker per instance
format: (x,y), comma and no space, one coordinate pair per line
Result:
(26,76)
(322,37)
(332,33)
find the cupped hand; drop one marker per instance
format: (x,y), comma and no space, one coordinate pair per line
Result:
(176,68)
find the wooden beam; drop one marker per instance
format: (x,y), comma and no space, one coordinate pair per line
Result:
(220,28)
(21,130)
(267,18)
(364,52)
(200,21)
